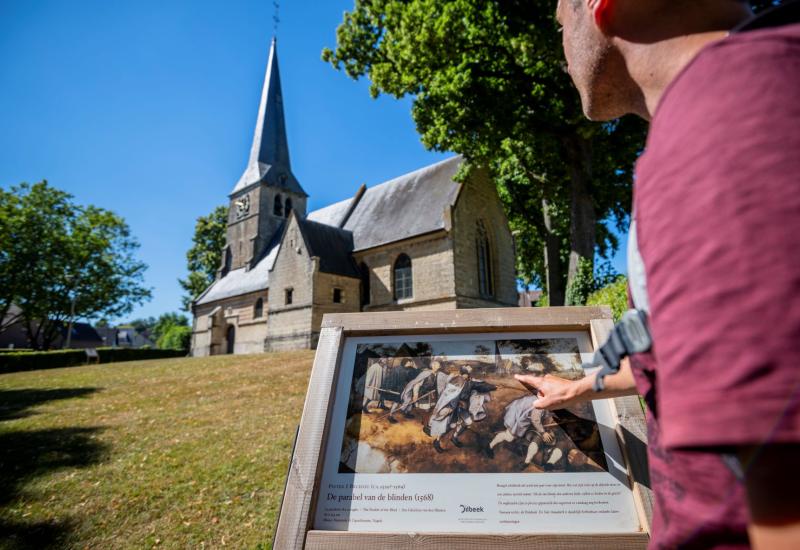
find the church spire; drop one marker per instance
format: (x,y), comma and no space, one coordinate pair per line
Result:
(269,154)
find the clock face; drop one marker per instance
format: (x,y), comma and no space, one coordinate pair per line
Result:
(242,206)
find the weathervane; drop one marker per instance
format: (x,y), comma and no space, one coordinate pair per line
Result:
(275,19)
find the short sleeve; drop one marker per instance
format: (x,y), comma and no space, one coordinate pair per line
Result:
(717,202)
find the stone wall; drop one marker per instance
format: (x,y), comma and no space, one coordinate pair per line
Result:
(432,275)
(479,201)
(209,333)
(324,285)
(290,324)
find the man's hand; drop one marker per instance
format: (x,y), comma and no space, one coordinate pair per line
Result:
(559,393)
(549,438)
(554,392)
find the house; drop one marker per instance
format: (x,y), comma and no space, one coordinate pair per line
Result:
(416,242)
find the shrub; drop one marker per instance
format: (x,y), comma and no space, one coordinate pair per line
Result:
(614,295)
(176,337)
(36,360)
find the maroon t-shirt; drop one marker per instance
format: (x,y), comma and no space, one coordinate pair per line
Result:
(717,207)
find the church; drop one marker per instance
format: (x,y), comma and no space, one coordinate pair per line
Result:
(419,241)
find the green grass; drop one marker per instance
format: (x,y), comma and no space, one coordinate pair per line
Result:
(170,453)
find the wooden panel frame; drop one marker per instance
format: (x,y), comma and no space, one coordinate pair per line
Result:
(296,515)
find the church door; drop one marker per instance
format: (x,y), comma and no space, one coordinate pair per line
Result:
(230,339)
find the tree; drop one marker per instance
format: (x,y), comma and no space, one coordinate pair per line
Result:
(488,80)
(205,256)
(164,324)
(614,294)
(176,337)
(10,276)
(70,261)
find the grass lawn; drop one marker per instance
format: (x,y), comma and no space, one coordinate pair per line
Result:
(170,453)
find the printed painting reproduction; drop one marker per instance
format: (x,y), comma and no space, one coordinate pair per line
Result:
(431,407)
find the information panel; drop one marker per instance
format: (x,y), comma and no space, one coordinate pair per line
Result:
(434,434)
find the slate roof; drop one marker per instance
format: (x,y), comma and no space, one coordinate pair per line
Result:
(269,154)
(81,332)
(241,281)
(411,205)
(331,214)
(333,247)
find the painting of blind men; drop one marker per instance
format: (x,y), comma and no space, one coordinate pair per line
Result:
(455,407)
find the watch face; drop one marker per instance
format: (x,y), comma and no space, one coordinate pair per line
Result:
(242,206)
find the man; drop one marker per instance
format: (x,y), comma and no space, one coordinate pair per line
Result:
(520,419)
(397,384)
(472,403)
(394,382)
(712,255)
(373,380)
(421,388)
(440,421)
(460,405)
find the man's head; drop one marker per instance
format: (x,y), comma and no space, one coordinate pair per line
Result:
(617,49)
(595,64)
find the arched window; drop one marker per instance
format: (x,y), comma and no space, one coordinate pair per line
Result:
(277,208)
(485,283)
(226,264)
(364,271)
(403,287)
(288,207)
(258,309)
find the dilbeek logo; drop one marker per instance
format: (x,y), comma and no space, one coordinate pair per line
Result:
(471,509)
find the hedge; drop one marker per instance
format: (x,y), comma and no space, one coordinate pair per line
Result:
(36,360)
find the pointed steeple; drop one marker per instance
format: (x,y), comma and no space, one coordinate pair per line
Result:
(269,154)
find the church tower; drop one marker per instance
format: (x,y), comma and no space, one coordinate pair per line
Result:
(268,190)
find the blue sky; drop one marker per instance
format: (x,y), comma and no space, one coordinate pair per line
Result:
(148,108)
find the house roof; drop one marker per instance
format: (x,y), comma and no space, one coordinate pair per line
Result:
(83,332)
(269,153)
(332,245)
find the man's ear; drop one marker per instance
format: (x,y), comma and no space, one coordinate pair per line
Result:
(602,13)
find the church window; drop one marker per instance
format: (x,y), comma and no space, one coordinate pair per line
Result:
(288,207)
(337,295)
(226,264)
(289,296)
(364,271)
(403,287)
(485,282)
(277,208)
(258,309)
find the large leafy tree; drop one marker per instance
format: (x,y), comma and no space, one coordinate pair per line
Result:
(61,261)
(488,81)
(205,256)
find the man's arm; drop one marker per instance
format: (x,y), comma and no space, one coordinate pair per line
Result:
(773,495)
(559,393)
